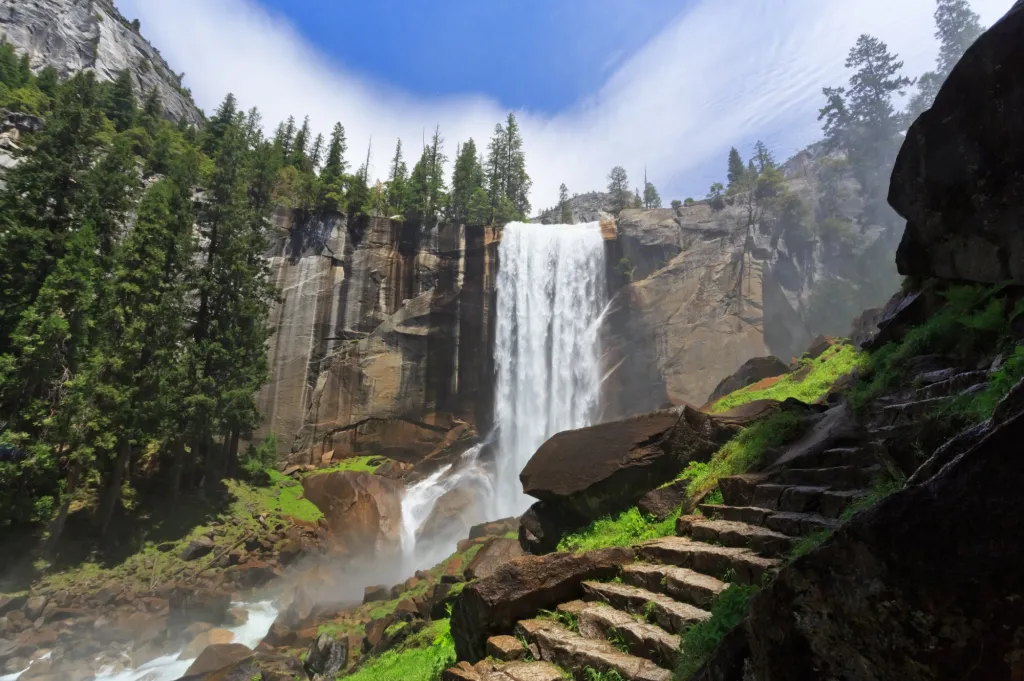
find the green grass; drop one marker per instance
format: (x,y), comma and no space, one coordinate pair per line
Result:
(728,610)
(421,658)
(356,463)
(834,363)
(567,619)
(625,529)
(743,453)
(808,543)
(591,674)
(971,321)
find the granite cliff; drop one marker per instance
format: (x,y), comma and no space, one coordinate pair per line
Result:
(74,35)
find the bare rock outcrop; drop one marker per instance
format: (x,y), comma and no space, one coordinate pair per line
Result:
(959,178)
(75,35)
(363,511)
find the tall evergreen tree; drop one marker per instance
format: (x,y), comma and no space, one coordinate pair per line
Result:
(121,107)
(397,184)
(736,169)
(219,124)
(426,183)
(652,199)
(467,178)
(508,184)
(332,177)
(316,153)
(618,189)
(299,154)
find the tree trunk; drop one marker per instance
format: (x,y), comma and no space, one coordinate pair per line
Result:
(57,526)
(113,492)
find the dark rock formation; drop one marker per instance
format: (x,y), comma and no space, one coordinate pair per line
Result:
(326,657)
(581,475)
(492,556)
(885,598)
(959,178)
(518,589)
(218,656)
(753,370)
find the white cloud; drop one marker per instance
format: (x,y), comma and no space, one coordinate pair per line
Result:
(724,72)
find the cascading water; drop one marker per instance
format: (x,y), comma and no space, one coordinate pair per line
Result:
(551,296)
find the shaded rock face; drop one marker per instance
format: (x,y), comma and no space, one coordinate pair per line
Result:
(452,517)
(959,178)
(581,475)
(519,588)
(381,336)
(925,585)
(752,371)
(363,511)
(708,294)
(218,656)
(74,35)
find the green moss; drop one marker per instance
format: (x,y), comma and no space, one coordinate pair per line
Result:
(742,454)
(833,364)
(356,463)
(728,610)
(624,529)
(808,543)
(421,658)
(282,497)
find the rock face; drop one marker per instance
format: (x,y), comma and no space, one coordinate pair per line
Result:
(74,35)
(363,511)
(959,178)
(452,517)
(752,371)
(885,599)
(707,293)
(381,336)
(581,475)
(218,656)
(518,589)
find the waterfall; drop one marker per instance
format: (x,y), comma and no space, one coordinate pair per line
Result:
(551,295)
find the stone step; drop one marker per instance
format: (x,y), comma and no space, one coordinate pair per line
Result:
(951,384)
(487,670)
(760,540)
(679,583)
(788,523)
(726,563)
(839,456)
(911,410)
(640,638)
(838,477)
(805,499)
(575,652)
(671,615)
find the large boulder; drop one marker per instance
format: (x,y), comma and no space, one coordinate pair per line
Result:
(959,178)
(363,511)
(326,657)
(520,588)
(218,656)
(492,556)
(752,371)
(925,585)
(452,517)
(581,475)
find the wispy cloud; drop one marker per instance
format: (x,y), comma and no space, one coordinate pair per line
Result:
(724,72)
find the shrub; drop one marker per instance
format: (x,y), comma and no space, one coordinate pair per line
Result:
(676,203)
(625,529)
(258,458)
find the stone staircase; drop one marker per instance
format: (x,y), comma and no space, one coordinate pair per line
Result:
(633,625)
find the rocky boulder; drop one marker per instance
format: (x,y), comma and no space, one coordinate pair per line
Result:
(217,657)
(581,475)
(924,585)
(326,657)
(959,178)
(752,371)
(492,556)
(452,517)
(363,511)
(519,588)
(204,640)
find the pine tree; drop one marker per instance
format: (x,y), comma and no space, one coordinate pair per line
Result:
(637,201)
(618,189)
(652,199)
(332,177)
(219,124)
(10,71)
(467,178)
(564,207)
(316,153)
(736,169)
(299,154)
(426,183)
(508,184)
(397,184)
(121,107)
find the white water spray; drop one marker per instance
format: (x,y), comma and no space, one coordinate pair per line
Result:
(551,294)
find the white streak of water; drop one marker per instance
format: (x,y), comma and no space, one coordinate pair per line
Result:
(551,298)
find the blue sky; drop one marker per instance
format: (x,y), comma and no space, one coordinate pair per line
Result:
(663,85)
(540,55)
